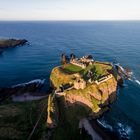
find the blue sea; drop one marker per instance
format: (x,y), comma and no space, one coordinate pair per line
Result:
(113,41)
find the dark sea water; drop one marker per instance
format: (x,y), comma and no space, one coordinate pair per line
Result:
(106,40)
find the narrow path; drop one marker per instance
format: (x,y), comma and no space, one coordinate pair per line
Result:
(36,124)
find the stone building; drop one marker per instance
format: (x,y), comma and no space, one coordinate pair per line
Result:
(77,62)
(82,62)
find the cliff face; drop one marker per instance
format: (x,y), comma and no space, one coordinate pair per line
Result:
(108,89)
(94,96)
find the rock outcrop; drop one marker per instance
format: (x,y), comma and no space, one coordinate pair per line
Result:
(88,102)
(93,96)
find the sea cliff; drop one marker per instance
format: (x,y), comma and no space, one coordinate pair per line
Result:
(81,92)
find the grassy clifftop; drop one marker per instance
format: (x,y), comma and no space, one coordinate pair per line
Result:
(92,94)
(76,104)
(65,74)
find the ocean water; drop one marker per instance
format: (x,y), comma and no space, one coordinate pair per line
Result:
(113,41)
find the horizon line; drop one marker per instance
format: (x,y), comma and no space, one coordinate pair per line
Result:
(1,20)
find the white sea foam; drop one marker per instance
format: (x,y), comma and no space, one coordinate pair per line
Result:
(134,79)
(120,67)
(125,131)
(103,123)
(37,81)
(137,81)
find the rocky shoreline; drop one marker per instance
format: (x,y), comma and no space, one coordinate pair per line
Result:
(31,87)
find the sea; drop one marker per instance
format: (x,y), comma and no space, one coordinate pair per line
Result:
(113,41)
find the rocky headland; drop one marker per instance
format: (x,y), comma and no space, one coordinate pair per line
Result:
(83,88)
(11,43)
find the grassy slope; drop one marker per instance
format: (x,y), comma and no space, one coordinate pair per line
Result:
(58,77)
(70,68)
(52,116)
(17,120)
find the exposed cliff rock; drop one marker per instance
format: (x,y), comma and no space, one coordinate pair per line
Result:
(94,95)
(107,89)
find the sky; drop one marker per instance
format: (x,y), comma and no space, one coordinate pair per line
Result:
(69,9)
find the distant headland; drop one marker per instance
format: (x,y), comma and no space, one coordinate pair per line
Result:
(11,43)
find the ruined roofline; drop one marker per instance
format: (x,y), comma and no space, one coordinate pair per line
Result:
(78,64)
(103,79)
(81,62)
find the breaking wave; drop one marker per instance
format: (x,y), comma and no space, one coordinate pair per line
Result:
(104,123)
(124,131)
(134,79)
(137,81)
(36,81)
(118,64)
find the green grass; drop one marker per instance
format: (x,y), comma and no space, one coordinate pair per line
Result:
(70,68)
(97,69)
(52,117)
(95,103)
(58,77)
(17,120)
(64,74)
